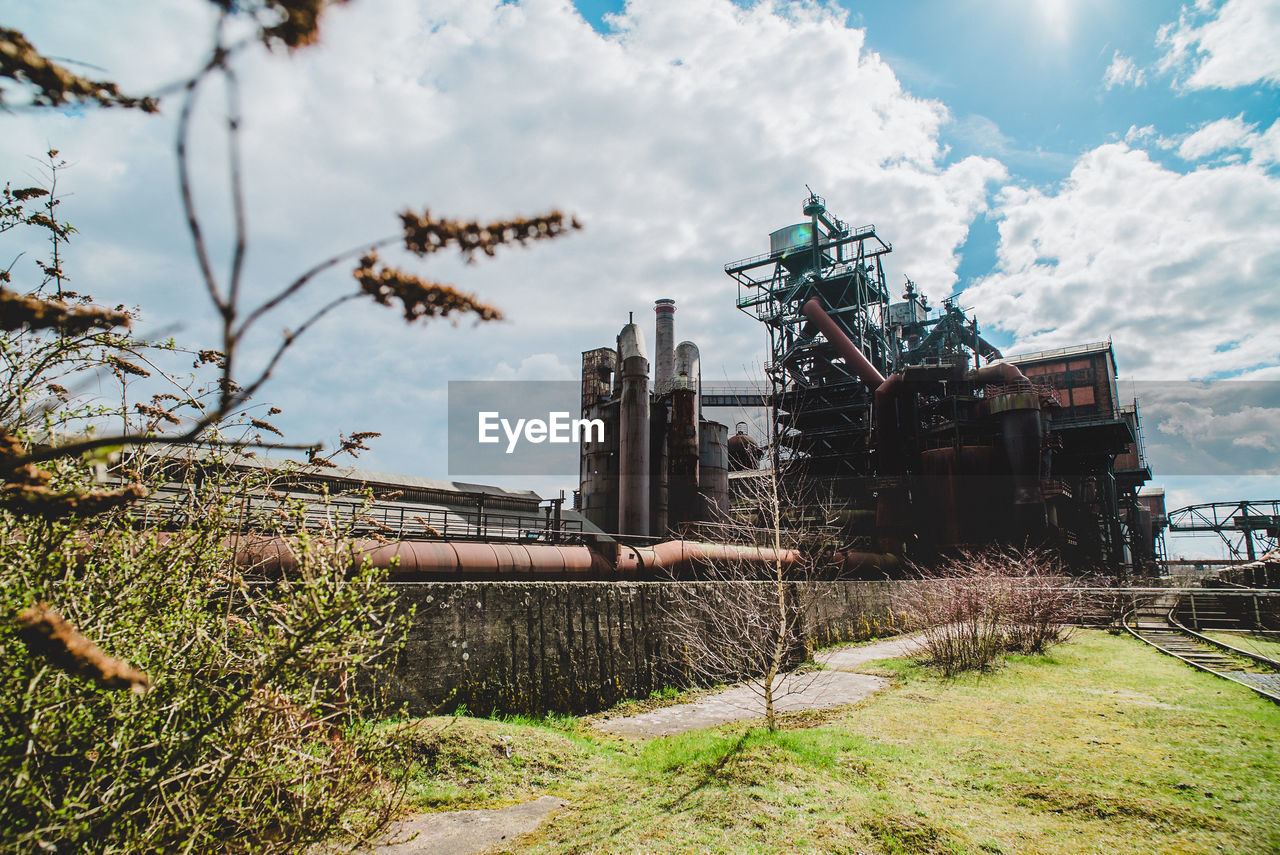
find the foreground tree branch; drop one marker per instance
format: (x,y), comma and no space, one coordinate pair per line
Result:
(49,636)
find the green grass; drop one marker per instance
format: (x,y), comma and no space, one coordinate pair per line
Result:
(1263,645)
(456,762)
(1105,745)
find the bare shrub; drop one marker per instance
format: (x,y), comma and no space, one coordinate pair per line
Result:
(978,605)
(1042,602)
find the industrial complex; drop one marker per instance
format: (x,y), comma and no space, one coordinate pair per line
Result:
(921,434)
(891,425)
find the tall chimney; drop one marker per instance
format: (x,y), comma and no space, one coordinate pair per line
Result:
(633,441)
(682,438)
(664,345)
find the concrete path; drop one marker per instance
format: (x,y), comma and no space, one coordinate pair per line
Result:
(462,832)
(813,691)
(848,658)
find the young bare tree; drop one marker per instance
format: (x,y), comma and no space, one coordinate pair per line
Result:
(744,619)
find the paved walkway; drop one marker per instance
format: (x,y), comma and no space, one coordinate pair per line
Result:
(815,690)
(848,658)
(462,832)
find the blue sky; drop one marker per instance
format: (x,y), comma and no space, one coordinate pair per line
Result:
(1026,83)
(1078,170)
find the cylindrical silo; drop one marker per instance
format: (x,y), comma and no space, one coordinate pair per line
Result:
(1020,429)
(713,469)
(744,452)
(633,441)
(689,374)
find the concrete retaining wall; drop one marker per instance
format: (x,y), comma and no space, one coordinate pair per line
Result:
(534,647)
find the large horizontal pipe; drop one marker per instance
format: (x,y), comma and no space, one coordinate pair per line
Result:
(429,560)
(861,562)
(853,357)
(683,557)
(463,560)
(434,559)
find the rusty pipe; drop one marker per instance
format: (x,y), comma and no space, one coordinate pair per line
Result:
(854,562)
(853,357)
(437,560)
(681,557)
(434,560)
(888,437)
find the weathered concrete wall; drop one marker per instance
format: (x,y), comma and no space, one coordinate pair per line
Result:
(533,647)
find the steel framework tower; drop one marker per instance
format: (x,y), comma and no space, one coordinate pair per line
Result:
(1248,528)
(821,408)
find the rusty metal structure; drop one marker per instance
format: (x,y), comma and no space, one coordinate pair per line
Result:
(660,464)
(820,294)
(932,439)
(925,438)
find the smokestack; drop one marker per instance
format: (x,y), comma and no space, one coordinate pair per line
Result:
(682,437)
(688,373)
(633,441)
(664,344)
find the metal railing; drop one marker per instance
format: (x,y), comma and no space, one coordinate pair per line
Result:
(173,506)
(847,233)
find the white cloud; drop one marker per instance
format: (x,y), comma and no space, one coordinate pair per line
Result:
(1227,427)
(1223,46)
(1179,268)
(1232,135)
(1265,147)
(1123,71)
(538,366)
(681,141)
(1213,137)
(1136,135)
(1231,139)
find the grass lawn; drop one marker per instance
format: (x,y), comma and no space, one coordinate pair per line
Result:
(1103,746)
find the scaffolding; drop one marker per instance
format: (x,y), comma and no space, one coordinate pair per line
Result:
(926,446)
(821,410)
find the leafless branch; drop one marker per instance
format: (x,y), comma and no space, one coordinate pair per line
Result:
(188,200)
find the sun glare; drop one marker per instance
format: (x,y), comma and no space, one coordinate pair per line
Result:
(1055,17)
